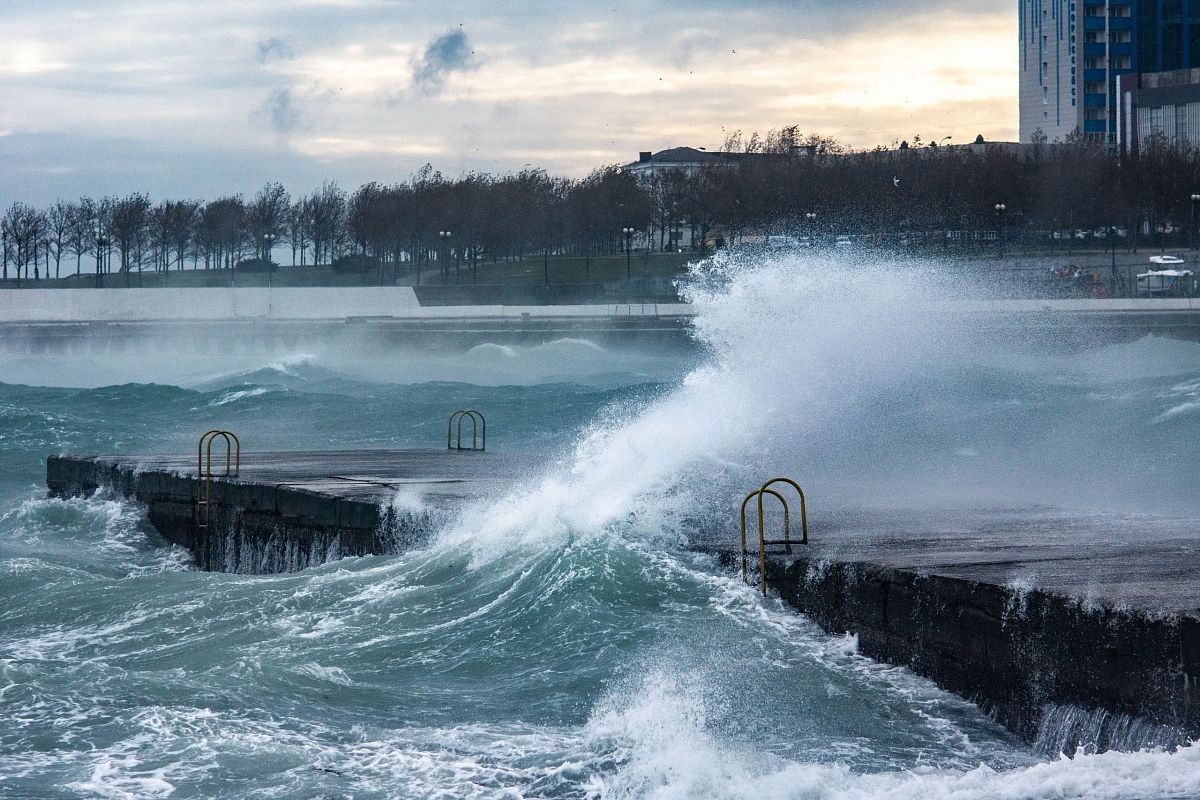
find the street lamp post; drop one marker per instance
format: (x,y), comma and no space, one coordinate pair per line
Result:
(1192,230)
(445,237)
(101,243)
(1110,234)
(1000,209)
(628,239)
(268,246)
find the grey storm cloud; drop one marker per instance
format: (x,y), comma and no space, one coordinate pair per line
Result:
(448,53)
(273,48)
(281,111)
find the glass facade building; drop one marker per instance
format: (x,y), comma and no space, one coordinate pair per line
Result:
(1073,51)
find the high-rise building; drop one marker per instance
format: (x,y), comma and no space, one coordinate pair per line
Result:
(1162,98)
(1168,35)
(1072,52)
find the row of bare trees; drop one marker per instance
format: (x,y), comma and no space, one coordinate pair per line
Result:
(1042,187)
(428,220)
(760,184)
(142,235)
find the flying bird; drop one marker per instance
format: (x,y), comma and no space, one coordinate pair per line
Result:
(896,182)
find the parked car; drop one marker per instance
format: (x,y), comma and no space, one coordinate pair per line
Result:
(782,242)
(843,241)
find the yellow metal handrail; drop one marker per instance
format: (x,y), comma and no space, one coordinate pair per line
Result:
(763,542)
(803,505)
(478,425)
(204,473)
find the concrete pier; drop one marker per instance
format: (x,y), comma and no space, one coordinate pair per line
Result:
(290,510)
(1069,632)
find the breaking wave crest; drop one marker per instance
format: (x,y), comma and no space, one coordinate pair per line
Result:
(560,642)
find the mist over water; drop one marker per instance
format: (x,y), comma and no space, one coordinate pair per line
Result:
(563,641)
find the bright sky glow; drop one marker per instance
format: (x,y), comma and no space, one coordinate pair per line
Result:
(195,99)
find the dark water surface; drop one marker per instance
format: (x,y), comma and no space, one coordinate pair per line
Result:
(561,642)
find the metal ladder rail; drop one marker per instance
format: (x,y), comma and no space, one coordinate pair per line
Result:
(478,426)
(803,505)
(204,472)
(763,541)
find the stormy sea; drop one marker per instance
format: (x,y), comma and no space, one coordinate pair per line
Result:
(564,640)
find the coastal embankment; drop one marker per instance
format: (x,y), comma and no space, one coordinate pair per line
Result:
(1066,635)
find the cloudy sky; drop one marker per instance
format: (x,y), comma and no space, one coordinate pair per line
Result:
(194,98)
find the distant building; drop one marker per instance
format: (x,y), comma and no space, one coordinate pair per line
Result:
(1074,53)
(677,236)
(1163,104)
(1071,54)
(690,159)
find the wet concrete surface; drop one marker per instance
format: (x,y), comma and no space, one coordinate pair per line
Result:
(1148,563)
(1028,612)
(284,511)
(1038,615)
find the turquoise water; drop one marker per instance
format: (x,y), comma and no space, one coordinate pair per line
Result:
(562,641)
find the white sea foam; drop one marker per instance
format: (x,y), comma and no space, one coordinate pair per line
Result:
(330,674)
(241,394)
(287,364)
(666,753)
(112,528)
(489,350)
(568,343)
(800,359)
(1174,411)
(752,400)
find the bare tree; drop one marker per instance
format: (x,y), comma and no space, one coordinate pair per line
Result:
(266,216)
(130,217)
(298,229)
(221,232)
(58,227)
(23,230)
(327,210)
(82,233)
(181,218)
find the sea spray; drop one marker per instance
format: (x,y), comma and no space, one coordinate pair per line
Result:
(560,643)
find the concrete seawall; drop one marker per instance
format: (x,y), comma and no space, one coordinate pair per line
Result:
(1069,636)
(35,320)
(288,511)
(230,304)
(1057,673)
(286,304)
(1070,630)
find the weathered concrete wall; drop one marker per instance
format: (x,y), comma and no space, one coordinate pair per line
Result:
(1023,657)
(303,304)
(1059,672)
(254,527)
(86,305)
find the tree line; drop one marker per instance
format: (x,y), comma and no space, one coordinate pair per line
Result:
(427,222)
(779,182)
